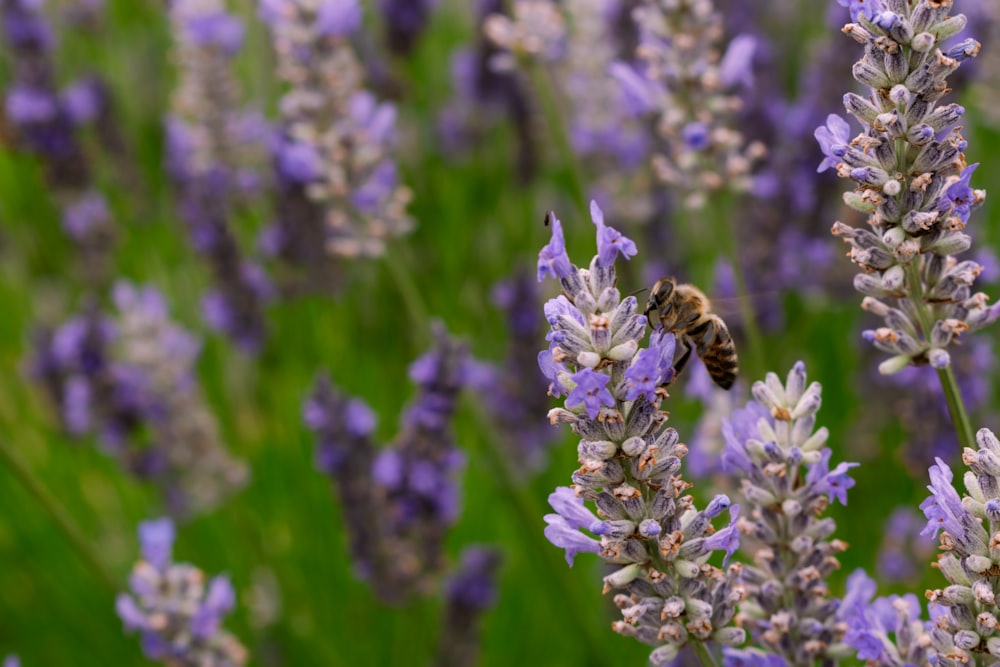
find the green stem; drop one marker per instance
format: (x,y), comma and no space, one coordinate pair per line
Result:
(705,656)
(58,515)
(956,406)
(413,302)
(949,385)
(545,93)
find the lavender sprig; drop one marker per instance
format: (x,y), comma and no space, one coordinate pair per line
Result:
(469,593)
(965,625)
(687,85)
(787,480)
(213,147)
(401,501)
(128,377)
(913,182)
(670,596)
(178,616)
(886,631)
(340,194)
(43,118)
(483,92)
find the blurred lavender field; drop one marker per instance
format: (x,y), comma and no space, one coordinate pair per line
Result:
(288,379)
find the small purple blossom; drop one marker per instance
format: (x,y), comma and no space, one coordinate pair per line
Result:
(610,242)
(943,508)
(590,391)
(553,260)
(652,368)
(833,139)
(563,529)
(961,195)
(727,539)
(178,619)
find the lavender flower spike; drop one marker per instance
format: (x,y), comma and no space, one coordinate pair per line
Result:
(334,159)
(177,614)
(886,631)
(128,377)
(400,502)
(469,593)
(965,623)
(213,148)
(787,481)
(912,181)
(11,661)
(669,595)
(687,84)
(43,119)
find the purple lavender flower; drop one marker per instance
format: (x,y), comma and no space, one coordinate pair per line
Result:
(11,661)
(178,618)
(657,540)
(917,200)
(345,450)
(787,481)
(45,125)
(400,502)
(469,592)
(128,378)
(210,156)
(963,613)
(833,139)
(687,84)
(339,195)
(886,630)
(481,94)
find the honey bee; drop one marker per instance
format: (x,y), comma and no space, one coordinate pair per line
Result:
(686,311)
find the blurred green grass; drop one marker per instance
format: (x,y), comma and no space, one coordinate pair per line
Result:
(474,226)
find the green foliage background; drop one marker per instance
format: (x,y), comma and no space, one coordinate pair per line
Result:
(475,224)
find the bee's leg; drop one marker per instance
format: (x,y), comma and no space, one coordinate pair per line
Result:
(684,358)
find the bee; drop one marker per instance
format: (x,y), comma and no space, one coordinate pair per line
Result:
(686,311)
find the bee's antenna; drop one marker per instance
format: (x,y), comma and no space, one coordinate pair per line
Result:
(639,291)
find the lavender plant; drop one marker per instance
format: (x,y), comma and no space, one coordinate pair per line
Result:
(400,501)
(963,628)
(685,84)
(469,593)
(886,630)
(213,146)
(339,191)
(11,661)
(575,42)
(128,378)
(913,183)
(43,118)
(524,432)
(670,596)
(782,459)
(481,93)
(966,627)
(178,616)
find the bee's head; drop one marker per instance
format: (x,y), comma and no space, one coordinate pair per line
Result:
(659,296)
